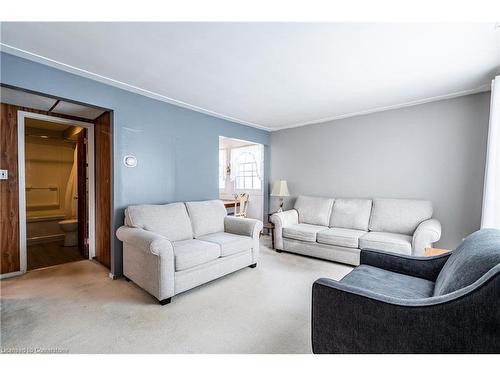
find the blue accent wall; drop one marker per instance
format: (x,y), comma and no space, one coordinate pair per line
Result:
(176,148)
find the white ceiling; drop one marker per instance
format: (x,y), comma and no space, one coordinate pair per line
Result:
(272,75)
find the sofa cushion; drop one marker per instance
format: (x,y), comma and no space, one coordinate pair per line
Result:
(351,213)
(229,243)
(303,232)
(206,216)
(388,283)
(169,220)
(395,242)
(399,215)
(475,256)
(340,237)
(192,253)
(314,210)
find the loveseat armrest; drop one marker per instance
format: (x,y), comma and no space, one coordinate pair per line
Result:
(282,220)
(423,267)
(245,227)
(146,241)
(427,232)
(242,226)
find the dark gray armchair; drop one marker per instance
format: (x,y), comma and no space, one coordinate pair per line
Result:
(402,304)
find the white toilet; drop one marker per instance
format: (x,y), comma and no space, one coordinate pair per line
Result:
(70,229)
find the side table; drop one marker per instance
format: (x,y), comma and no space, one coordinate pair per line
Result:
(270,227)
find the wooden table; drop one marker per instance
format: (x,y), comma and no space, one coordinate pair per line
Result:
(270,227)
(432,251)
(229,203)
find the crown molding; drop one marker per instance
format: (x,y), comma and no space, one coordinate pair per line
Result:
(482,88)
(150,94)
(119,84)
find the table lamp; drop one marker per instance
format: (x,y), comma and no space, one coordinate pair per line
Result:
(280,189)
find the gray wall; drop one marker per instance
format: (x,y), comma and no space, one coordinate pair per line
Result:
(177,149)
(431,151)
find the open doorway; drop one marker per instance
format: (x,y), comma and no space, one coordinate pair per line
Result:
(241,173)
(42,137)
(58,201)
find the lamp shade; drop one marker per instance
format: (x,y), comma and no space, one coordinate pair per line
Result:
(280,189)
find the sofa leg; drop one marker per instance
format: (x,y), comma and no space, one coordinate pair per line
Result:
(165,301)
(253,265)
(279,251)
(126,278)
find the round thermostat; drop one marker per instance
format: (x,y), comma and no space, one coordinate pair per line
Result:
(130,161)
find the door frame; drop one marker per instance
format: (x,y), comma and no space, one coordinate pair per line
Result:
(21,116)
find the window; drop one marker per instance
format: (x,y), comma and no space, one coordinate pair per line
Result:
(245,168)
(222,168)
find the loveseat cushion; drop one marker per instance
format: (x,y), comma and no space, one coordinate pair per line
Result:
(399,215)
(206,217)
(314,210)
(193,252)
(475,256)
(303,232)
(229,243)
(169,220)
(340,237)
(388,283)
(395,242)
(351,213)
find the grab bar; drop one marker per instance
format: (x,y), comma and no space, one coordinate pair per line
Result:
(41,188)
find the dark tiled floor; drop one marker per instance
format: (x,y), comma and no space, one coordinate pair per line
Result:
(50,254)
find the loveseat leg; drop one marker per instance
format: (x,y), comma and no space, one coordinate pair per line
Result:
(165,301)
(126,278)
(279,251)
(253,265)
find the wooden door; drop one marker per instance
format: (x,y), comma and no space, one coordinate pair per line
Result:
(82,192)
(103,188)
(9,192)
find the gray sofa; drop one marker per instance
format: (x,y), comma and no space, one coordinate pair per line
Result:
(401,304)
(336,229)
(168,249)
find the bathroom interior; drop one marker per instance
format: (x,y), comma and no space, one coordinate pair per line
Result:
(53,153)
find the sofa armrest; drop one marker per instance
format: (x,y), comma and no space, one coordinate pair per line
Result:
(428,232)
(146,241)
(242,226)
(423,267)
(282,220)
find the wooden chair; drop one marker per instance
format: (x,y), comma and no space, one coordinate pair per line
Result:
(241,205)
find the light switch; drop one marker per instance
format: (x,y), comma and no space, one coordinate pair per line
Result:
(4,174)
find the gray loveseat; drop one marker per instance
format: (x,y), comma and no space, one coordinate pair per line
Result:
(336,229)
(168,249)
(401,304)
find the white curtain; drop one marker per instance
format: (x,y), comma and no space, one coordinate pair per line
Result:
(70,203)
(491,197)
(255,150)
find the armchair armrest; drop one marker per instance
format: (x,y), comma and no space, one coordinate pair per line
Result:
(423,267)
(427,232)
(242,226)
(282,220)
(349,319)
(146,241)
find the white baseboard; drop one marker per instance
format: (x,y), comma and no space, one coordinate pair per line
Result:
(10,274)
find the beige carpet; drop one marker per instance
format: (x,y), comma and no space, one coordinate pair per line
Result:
(76,307)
